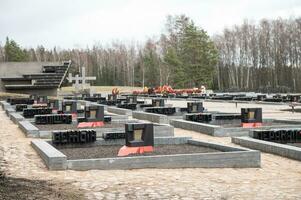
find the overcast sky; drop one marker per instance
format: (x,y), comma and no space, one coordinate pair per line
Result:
(78,23)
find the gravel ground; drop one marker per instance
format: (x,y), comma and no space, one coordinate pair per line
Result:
(20,188)
(72,126)
(112,151)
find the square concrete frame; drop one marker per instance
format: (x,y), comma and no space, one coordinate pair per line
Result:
(229,157)
(30,130)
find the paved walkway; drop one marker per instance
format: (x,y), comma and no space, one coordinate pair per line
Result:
(279,178)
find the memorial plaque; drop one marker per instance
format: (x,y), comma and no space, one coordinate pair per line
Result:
(227,116)
(20,107)
(39,106)
(14,101)
(279,136)
(131,106)
(97,95)
(161,110)
(31,112)
(73,137)
(200,117)
(139,134)
(53,119)
(114,135)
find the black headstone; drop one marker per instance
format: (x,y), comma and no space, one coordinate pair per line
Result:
(42,100)
(53,119)
(139,134)
(69,107)
(20,107)
(251,115)
(131,99)
(54,104)
(158,102)
(94,113)
(31,112)
(195,107)
(73,137)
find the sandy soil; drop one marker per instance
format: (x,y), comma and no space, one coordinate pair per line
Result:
(278,178)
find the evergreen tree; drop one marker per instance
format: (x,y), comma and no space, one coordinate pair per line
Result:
(13,53)
(191,55)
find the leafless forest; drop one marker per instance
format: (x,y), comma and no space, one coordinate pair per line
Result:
(263,56)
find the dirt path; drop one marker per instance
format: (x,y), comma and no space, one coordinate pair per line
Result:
(279,178)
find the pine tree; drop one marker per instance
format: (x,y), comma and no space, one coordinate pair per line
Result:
(13,53)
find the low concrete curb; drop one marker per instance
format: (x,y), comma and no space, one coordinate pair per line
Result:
(54,159)
(220,131)
(231,157)
(269,147)
(29,129)
(16,117)
(4,105)
(156,118)
(119,111)
(9,110)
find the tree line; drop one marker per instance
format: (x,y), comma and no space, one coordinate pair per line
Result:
(263,56)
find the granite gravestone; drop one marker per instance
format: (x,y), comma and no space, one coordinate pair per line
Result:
(139,139)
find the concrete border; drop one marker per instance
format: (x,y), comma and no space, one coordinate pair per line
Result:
(4,105)
(9,110)
(53,158)
(220,131)
(231,157)
(152,117)
(119,111)
(30,130)
(16,117)
(219,101)
(269,147)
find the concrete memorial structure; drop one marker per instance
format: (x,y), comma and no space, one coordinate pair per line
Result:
(139,138)
(81,84)
(43,78)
